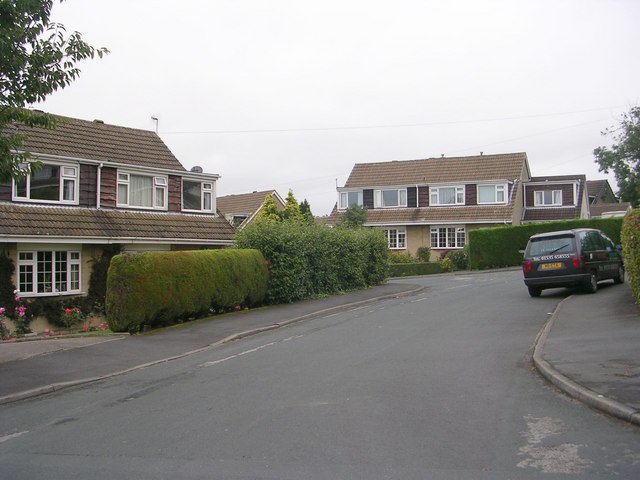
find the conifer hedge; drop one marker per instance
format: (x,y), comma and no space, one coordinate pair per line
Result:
(631,250)
(161,288)
(310,260)
(503,246)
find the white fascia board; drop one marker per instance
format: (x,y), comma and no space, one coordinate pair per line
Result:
(440,222)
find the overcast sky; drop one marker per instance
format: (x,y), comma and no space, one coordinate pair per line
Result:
(289,94)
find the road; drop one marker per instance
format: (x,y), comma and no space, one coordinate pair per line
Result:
(434,386)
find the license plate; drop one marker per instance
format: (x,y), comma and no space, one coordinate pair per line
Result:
(551,266)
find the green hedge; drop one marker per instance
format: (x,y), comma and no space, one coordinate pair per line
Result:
(631,250)
(161,288)
(312,260)
(503,246)
(411,269)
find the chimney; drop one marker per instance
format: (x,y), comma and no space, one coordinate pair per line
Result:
(196,169)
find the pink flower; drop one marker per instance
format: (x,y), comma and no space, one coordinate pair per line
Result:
(2,310)
(17,298)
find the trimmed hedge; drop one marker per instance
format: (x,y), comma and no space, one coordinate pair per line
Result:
(503,246)
(312,260)
(162,288)
(631,250)
(412,269)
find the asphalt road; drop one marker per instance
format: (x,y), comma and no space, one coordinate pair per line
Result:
(435,386)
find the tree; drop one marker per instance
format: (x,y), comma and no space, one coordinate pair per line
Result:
(354,217)
(36,59)
(269,211)
(623,158)
(291,210)
(305,212)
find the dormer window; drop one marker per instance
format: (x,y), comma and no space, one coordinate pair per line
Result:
(492,194)
(390,198)
(447,195)
(51,183)
(547,198)
(142,191)
(347,199)
(197,196)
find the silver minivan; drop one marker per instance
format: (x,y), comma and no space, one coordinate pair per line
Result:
(571,258)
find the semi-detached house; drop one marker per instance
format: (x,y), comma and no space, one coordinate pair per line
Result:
(435,202)
(98,186)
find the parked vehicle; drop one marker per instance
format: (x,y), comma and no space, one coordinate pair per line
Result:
(571,258)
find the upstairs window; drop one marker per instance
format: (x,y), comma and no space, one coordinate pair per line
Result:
(144,191)
(492,194)
(51,183)
(347,199)
(390,198)
(453,195)
(547,198)
(197,196)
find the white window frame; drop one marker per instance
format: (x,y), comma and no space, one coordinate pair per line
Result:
(68,173)
(498,188)
(159,190)
(206,191)
(396,237)
(434,193)
(344,202)
(29,264)
(447,237)
(556,198)
(379,198)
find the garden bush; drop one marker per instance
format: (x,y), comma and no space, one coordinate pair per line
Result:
(312,260)
(401,257)
(503,246)
(413,269)
(631,250)
(162,288)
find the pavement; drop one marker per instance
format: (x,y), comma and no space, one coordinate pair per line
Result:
(588,347)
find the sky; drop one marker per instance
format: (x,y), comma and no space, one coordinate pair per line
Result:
(290,94)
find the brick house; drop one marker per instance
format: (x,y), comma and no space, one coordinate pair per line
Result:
(101,185)
(555,198)
(603,202)
(241,209)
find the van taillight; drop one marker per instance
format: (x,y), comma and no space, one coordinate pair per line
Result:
(526,266)
(578,262)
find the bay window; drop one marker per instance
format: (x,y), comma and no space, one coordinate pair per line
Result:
(390,198)
(449,195)
(447,237)
(143,191)
(56,183)
(49,272)
(197,196)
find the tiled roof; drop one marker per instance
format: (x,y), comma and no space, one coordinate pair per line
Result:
(242,204)
(508,166)
(99,141)
(550,214)
(595,187)
(598,209)
(106,224)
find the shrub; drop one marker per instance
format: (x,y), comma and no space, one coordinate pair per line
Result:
(161,288)
(413,269)
(401,257)
(631,250)
(311,260)
(424,254)
(457,259)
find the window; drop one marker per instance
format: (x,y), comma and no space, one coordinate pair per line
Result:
(548,198)
(390,198)
(49,272)
(397,238)
(447,237)
(491,194)
(446,195)
(347,199)
(142,191)
(197,195)
(49,183)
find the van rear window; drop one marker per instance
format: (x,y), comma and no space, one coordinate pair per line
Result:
(551,245)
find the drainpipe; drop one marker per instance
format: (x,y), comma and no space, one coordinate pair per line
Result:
(99,181)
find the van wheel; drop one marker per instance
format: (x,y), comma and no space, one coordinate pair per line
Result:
(592,285)
(620,277)
(534,292)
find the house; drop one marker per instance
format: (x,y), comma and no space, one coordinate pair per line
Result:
(603,202)
(555,198)
(434,202)
(101,186)
(241,209)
